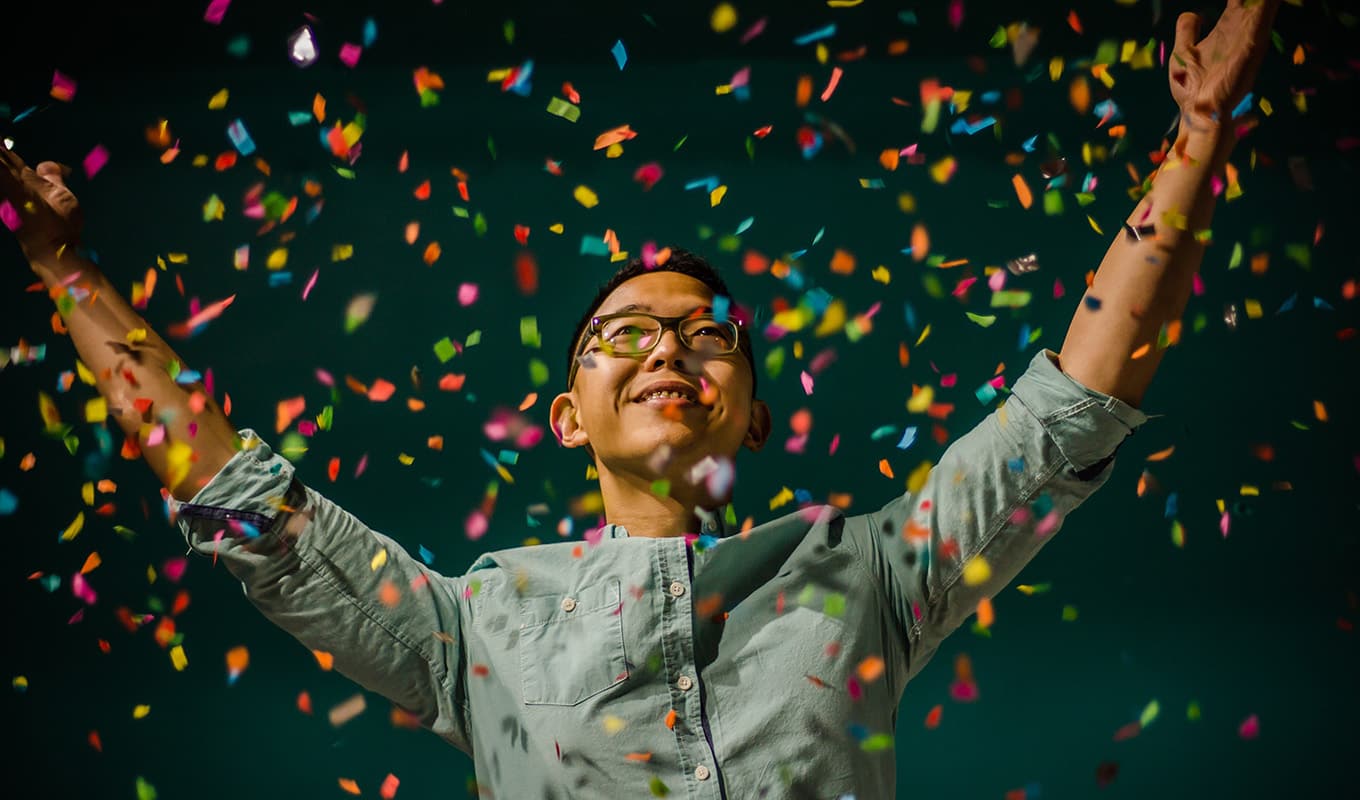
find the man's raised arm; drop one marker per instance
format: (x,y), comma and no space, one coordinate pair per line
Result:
(131,363)
(1145,279)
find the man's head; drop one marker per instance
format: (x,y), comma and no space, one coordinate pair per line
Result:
(610,406)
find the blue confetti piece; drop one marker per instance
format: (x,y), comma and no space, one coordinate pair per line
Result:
(250,531)
(797,254)
(620,54)
(521,86)
(236,131)
(188,376)
(1016,464)
(962,125)
(299,118)
(883,432)
(1172,504)
(488,458)
(594,246)
(802,496)
(745,225)
(1024,337)
(857,731)
(8,501)
(721,303)
(871,183)
(1028,144)
(277,279)
(508,457)
(908,438)
(985,393)
(992,96)
(1092,302)
(50,582)
(1243,106)
(1318,302)
(819,300)
(370,32)
(817,35)
(907,17)
(1288,304)
(708,183)
(426,555)
(1107,108)
(820,233)
(909,312)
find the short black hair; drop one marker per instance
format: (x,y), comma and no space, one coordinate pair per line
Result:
(685,263)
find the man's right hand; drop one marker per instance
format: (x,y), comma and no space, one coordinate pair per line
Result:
(49,217)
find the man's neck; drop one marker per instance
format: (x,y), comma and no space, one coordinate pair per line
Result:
(630,502)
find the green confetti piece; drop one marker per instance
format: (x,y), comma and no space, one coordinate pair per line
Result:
(877,742)
(750,148)
(658,788)
(473,339)
(479,224)
(1177,533)
(774,362)
(679,143)
(72,443)
(145,791)
(561,108)
(1085,198)
(528,332)
(805,596)
(444,350)
(1235,260)
(1069,613)
(1300,254)
(508,30)
(324,419)
(461,212)
(985,320)
(491,147)
(661,487)
(1149,714)
(1053,202)
(998,39)
(834,605)
(1010,298)
(1192,712)
(293,445)
(65,305)
(125,532)
(538,372)
(1107,52)
(344,172)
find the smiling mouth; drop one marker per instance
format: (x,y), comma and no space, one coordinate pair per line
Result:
(669,398)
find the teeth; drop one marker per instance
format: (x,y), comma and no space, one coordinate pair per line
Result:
(671,395)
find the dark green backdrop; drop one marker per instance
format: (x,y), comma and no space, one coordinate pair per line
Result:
(1257,623)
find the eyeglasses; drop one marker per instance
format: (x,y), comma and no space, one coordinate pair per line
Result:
(633,333)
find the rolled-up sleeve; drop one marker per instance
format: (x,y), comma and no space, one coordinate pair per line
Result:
(315,570)
(997,496)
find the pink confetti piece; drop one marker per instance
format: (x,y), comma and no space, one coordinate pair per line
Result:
(475,526)
(963,286)
(467,294)
(82,590)
(349,54)
(807,383)
(835,444)
(174,568)
(997,281)
(755,30)
(306,290)
(955,13)
(363,465)
(1223,524)
(832,84)
(63,87)
(1197,283)
(95,161)
(217,9)
(949,380)
(156,436)
(1250,728)
(1058,290)
(10,216)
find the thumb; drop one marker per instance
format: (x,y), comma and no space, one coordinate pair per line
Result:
(1187,31)
(53,172)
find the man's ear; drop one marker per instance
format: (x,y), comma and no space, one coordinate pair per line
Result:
(566,423)
(759,431)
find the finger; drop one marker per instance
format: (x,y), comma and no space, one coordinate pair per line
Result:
(53,172)
(1187,32)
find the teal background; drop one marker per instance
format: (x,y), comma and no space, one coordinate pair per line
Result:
(1259,622)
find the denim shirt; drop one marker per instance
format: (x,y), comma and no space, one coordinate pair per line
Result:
(760,664)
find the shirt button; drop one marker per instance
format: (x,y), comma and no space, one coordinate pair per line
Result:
(684,683)
(701,772)
(677,588)
(568,604)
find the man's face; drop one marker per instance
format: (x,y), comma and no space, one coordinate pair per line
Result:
(608,406)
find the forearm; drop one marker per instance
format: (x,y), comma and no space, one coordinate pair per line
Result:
(1145,283)
(130,363)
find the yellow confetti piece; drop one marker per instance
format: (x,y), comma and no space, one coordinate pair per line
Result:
(1253,308)
(135,335)
(277,259)
(941,171)
(87,493)
(406,459)
(586,197)
(1055,68)
(716,196)
(613,724)
(977,571)
(917,479)
(1094,226)
(1248,490)
(924,333)
(342,252)
(881,275)
(218,101)
(920,400)
(724,18)
(178,658)
(73,530)
(379,559)
(83,372)
(556,227)
(139,712)
(96,410)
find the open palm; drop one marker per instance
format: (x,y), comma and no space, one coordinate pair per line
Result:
(1209,77)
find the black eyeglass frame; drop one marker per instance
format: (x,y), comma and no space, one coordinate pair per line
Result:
(666,323)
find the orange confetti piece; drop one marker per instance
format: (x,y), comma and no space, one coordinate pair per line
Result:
(985,615)
(451,382)
(639,757)
(432,253)
(288,410)
(95,741)
(333,468)
(613,136)
(1142,351)
(1022,190)
(1319,411)
(1079,94)
(389,787)
(920,242)
(842,262)
(304,702)
(412,232)
(415,404)
(1162,455)
(92,562)
(933,718)
(381,391)
(831,85)
(349,786)
(435,442)
(1074,21)
(670,719)
(238,658)
(885,468)
(870,669)
(389,595)
(528,401)
(324,660)
(804,93)
(888,158)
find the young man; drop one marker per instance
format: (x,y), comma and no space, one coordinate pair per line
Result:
(671,654)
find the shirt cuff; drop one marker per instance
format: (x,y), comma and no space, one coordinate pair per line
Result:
(249,490)
(1088,426)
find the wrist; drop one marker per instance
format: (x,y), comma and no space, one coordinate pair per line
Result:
(60,267)
(1208,143)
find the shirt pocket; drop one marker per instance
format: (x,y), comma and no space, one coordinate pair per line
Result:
(571,645)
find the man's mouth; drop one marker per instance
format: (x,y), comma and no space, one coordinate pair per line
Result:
(673,394)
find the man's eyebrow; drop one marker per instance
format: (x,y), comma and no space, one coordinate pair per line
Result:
(702,309)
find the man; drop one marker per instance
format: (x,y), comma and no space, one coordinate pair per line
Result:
(672,654)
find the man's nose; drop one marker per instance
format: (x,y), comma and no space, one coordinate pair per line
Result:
(670,350)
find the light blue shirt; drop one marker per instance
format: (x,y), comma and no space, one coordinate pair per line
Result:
(762,664)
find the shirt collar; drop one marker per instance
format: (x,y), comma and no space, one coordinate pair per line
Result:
(713,522)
